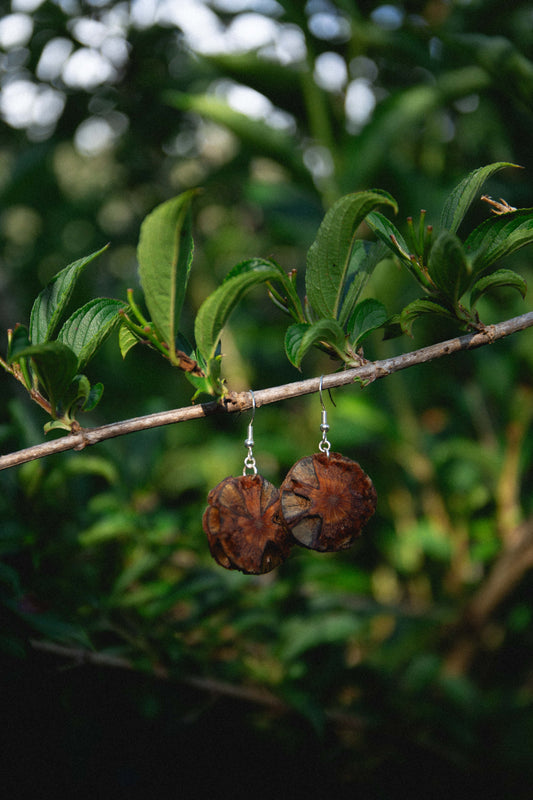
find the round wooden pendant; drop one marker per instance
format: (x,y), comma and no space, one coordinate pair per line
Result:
(326,500)
(244,527)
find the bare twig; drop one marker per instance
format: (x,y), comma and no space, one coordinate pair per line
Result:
(78,657)
(366,373)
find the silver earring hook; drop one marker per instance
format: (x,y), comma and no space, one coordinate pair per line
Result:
(324,445)
(253,407)
(320,390)
(249,461)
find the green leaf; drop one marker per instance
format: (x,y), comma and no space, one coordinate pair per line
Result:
(58,425)
(55,365)
(164,254)
(500,236)
(206,385)
(419,308)
(80,396)
(502,277)
(215,310)
(298,636)
(366,256)
(210,382)
(76,394)
(368,315)
(301,336)
(94,396)
(52,301)
(448,266)
(119,524)
(74,398)
(89,326)
(328,259)
(126,340)
(462,197)
(392,238)
(18,341)
(389,235)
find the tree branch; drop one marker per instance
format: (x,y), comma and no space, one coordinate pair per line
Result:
(79,657)
(366,373)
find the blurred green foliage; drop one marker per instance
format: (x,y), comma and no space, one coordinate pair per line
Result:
(388,682)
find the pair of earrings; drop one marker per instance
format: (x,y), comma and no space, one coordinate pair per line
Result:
(322,504)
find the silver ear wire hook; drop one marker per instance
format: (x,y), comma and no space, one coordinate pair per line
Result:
(249,461)
(324,446)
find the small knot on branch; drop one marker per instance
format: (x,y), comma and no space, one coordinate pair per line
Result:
(488,332)
(237,401)
(80,433)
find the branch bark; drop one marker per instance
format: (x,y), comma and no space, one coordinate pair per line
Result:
(365,374)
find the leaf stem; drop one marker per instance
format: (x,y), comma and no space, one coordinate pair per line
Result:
(135,308)
(145,334)
(421,228)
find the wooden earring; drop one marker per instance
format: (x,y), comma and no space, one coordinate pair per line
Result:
(242,521)
(326,499)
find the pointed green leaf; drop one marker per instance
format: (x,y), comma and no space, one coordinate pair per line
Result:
(58,425)
(52,301)
(418,308)
(389,235)
(55,365)
(500,236)
(215,310)
(126,340)
(88,327)
(366,256)
(293,340)
(368,315)
(301,336)
(328,259)
(502,277)
(392,238)
(462,197)
(164,254)
(448,266)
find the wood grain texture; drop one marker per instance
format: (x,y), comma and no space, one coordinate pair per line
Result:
(326,501)
(244,527)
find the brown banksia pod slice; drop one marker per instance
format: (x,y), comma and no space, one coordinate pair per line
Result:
(244,527)
(326,500)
